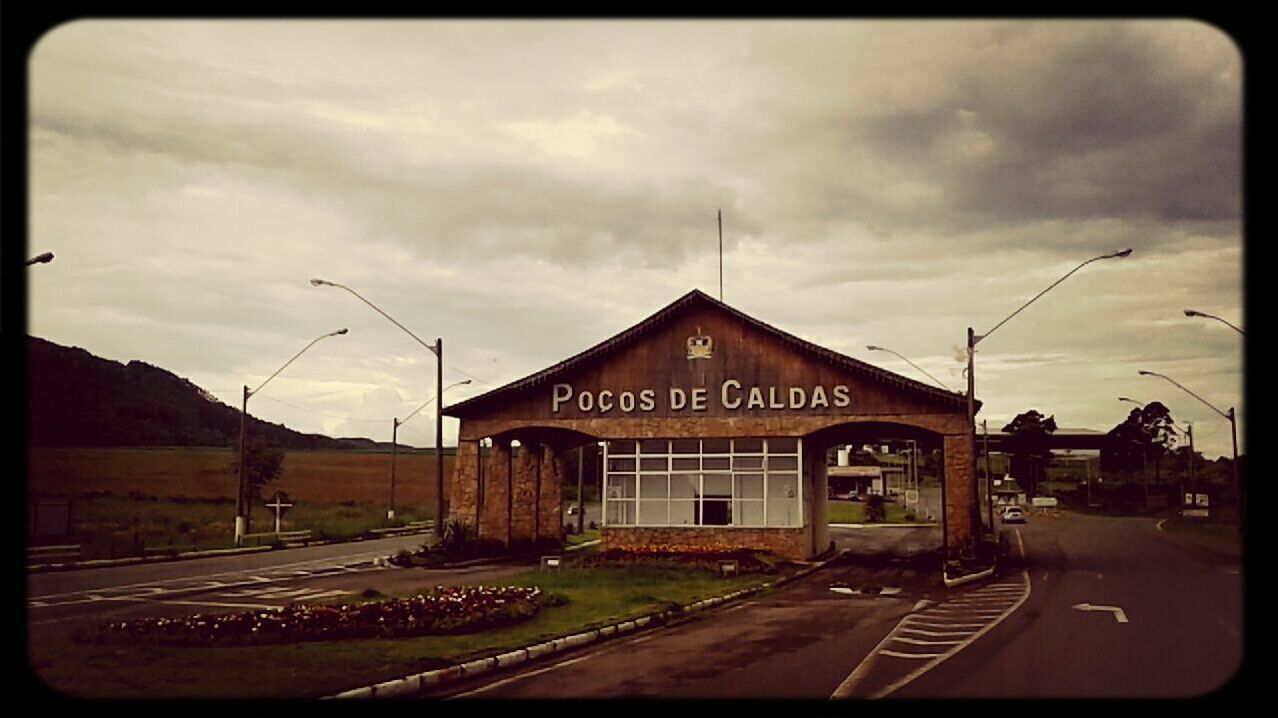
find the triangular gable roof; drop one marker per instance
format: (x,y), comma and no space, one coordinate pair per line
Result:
(638,331)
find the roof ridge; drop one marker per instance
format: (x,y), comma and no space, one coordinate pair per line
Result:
(643,326)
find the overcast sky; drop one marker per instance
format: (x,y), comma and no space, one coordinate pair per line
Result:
(527,189)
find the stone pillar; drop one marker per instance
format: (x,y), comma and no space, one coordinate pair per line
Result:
(465,489)
(550,522)
(523,517)
(495,522)
(819,489)
(962,517)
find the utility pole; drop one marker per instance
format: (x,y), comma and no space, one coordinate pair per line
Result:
(721,255)
(439,438)
(989,479)
(581,476)
(390,515)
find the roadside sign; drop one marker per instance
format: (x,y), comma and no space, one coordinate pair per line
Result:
(1196,513)
(1047,502)
(1200,500)
(911,497)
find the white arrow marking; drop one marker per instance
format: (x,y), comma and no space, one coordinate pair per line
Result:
(1118,612)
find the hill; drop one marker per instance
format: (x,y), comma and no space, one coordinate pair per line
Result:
(77,399)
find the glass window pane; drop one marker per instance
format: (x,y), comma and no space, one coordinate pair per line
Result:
(783,463)
(783,486)
(683,513)
(621,447)
(621,464)
(747,462)
(653,464)
(747,446)
(783,512)
(685,446)
(716,446)
(654,446)
(748,513)
(653,486)
(716,513)
(684,486)
(783,446)
(710,462)
(749,486)
(717,485)
(686,464)
(621,486)
(653,513)
(619,513)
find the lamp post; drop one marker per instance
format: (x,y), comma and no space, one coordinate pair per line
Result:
(44,258)
(1233,431)
(973,339)
(396,423)
(1196,313)
(241,503)
(438,349)
(874,348)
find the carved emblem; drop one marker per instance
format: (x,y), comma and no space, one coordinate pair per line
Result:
(700,346)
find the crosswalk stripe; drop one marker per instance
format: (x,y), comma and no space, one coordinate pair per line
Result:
(923,642)
(894,654)
(923,632)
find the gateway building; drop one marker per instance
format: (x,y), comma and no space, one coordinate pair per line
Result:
(715,428)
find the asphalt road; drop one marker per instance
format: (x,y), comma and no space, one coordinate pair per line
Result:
(1182,634)
(204,585)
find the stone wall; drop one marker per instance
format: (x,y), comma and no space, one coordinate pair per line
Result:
(962,515)
(790,544)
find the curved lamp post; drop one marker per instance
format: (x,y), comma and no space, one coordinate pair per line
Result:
(241,522)
(396,423)
(1233,431)
(438,349)
(973,339)
(40,259)
(873,348)
(1196,313)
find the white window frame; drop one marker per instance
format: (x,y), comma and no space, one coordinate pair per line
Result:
(699,512)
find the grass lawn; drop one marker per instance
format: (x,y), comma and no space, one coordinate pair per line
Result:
(853,512)
(583,537)
(112,526)
(597,596)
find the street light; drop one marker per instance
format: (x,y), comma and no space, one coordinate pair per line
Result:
(438,349)
(973,339)
(396,423)
(873,348)
(1233,430)
(40,259)
(241,522)
(1196,313)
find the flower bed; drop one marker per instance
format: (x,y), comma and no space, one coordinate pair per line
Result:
(686,556)
(442,611)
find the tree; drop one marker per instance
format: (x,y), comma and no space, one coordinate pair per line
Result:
(1027,442)
(1146,433)
(263,464)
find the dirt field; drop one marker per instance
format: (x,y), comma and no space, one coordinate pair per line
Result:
(316,476)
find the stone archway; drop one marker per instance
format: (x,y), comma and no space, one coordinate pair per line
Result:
(509,486)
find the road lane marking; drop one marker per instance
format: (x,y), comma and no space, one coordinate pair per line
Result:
(1160,524)
(521,676)
(924,642)
(254,606)
(894,654)
(858,674)
(923,632)
(1119,615)
(939,624)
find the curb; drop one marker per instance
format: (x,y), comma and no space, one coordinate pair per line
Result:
(952,583)
(442,676)
(107,562)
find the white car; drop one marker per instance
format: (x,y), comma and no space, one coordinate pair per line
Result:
(1013,515)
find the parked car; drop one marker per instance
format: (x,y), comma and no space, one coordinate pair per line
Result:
(1013,515)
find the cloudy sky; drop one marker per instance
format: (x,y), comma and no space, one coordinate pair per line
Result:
(527,189)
